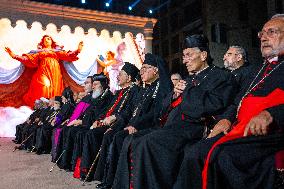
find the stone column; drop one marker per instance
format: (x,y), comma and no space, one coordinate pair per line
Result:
(148,35)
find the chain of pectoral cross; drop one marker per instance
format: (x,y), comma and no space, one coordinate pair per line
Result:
(250,88)
(145,97)
(204,77)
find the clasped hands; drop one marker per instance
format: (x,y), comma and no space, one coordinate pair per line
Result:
(258,125)
(75,122)
(131,129)
(106,121)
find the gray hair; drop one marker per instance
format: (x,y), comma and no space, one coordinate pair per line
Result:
(277,16)
(178,75)
(241,51)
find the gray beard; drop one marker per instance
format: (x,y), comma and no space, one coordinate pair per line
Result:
(229,66)
(97,93)
(56,108)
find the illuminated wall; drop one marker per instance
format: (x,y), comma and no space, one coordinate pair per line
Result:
(22,39)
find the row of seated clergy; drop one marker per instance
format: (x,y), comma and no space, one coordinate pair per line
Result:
(249,156)
(129,107)
(43,114)
(144,111)
(98,103)
(119,104)
(145,154)
(33,118)
(87,143)
(98,106)
(143,114)
(206,92)
(43,140)
(76,112)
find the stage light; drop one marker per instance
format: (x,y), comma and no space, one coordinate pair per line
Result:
(150,11)
(83,1)
(107,4)
(133,4)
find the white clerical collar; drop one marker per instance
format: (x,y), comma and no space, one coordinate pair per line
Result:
(274,59)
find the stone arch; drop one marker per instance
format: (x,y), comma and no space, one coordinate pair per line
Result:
(117,34)
(92,32)
(6,21)
(104,33)
(36,25)
(79,31)
(51,28)
(21,23)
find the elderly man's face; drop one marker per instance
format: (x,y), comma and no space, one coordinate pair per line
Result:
(272,38)
(122,78)
(148,73)
(97,86)
(175,79)
(231,58)
(88,85)
(193,60)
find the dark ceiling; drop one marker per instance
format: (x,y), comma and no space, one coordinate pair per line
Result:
(117,6)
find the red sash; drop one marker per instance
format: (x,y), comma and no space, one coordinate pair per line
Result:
(110,111)
(250,107)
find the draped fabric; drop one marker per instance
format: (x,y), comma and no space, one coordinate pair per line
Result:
(76,75)
(41,74)
(251,106)
(12,94)
(9,76)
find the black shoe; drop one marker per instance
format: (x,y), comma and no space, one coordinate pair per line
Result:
(68,170)
(106,186)
(39,152)
(101,185)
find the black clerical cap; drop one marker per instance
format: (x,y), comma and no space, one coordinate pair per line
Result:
(131,70)
(199,41)
(58,99)
(102,78)
(151,59)
(68,94)
(164,77)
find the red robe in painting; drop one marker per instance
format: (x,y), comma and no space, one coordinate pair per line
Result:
(44,76)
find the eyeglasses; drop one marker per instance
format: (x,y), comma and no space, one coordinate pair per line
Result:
(270,32)
(144,68)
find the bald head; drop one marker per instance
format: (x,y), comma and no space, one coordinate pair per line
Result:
(272,37)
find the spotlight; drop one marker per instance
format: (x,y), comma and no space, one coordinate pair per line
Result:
(83,1)
(150,11)
(107,4)
(130,8)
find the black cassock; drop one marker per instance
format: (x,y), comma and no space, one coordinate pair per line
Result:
(97,108)
(20,127)
(43,134)
(88,142)
(57,137)
(242,75)
(150,159)
(144,114)
(245,162)
(31,129)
